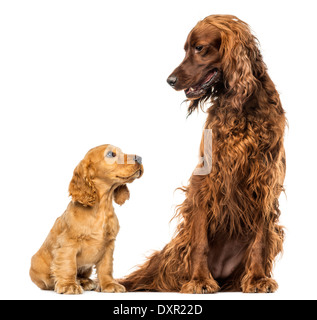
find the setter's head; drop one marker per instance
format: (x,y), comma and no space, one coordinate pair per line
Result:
(222,56)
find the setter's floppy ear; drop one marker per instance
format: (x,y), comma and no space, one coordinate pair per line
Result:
(81,187)
(121,194)
(241,61)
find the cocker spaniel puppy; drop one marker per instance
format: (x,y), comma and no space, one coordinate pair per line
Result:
(84,235)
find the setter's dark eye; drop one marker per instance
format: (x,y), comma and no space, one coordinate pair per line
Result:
(198,48)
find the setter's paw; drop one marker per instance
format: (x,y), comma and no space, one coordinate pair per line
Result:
(200,286)
(111,287)
(263,285)
(71,288)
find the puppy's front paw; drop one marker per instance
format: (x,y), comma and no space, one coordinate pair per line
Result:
(72,288)
(112,287)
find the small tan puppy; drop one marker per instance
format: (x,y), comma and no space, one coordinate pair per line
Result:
(84,235)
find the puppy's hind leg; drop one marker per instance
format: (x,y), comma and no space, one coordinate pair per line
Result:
(40,273)
(83,275)
(42,280)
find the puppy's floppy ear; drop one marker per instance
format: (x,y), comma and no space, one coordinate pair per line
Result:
(81,187)
(121,194)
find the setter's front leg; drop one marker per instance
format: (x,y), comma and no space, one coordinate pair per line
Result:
(201,281)
(257,278)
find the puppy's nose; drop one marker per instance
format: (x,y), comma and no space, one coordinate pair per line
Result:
(171,80)
(138,159)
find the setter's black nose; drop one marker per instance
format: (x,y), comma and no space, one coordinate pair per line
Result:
(171,80)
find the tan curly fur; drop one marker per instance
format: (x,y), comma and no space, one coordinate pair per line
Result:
(84,236)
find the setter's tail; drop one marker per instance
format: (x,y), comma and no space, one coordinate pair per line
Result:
(164,271)
(145,278)
(167,270)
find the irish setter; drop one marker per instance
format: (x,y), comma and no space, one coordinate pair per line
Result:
(228,235)
(84,235)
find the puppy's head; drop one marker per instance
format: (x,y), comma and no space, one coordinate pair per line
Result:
(104,169)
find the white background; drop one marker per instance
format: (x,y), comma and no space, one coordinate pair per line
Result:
(77,74)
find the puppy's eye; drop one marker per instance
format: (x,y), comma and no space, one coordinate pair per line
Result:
(110,154)
(198,48)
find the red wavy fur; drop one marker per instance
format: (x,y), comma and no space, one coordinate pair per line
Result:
(228,234)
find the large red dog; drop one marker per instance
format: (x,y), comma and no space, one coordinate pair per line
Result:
(228,235)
